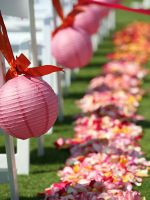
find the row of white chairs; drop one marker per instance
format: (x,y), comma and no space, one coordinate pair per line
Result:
(19,34)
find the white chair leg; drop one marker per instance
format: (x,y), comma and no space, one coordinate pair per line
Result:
(146,3)
(60,97)
(40,142)
(11,167)
(67,78)
(23,156)
(113,13)
(94,42)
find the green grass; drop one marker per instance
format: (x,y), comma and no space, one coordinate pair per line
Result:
(123,19)
(43,170)
(145,142)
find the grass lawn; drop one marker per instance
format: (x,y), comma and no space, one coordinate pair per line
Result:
(43,170)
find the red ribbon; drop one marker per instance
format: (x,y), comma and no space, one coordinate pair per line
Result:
(19,65)
(58,8)
(68,21)
(115,6)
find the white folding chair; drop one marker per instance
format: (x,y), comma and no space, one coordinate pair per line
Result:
(146,4)
(23,152)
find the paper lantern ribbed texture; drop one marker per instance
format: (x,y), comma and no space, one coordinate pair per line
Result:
(72,47)
(87,20)
(28,107)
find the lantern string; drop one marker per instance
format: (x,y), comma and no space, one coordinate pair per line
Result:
(20,64)
(115,6)
(58,7)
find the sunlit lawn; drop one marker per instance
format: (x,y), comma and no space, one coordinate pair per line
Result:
(43,170)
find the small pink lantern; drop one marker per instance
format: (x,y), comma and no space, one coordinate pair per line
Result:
(98,10)
(72,47)
(104,10)
(28,107)
(87,20)
(115,1)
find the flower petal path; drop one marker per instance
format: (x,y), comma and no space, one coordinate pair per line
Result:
(106,159)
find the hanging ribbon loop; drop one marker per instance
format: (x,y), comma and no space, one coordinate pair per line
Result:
(115,6)
(19,65)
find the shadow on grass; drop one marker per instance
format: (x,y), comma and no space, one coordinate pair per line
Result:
(94,65)
(77,95)
(146,96)
(51,156)
(2,149)
(68,119)
(44,170)
(30,198)
(146,80)
(144,123)
(84,79)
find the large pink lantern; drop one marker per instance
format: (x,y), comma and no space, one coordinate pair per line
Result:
(28,107)
(87,20)
(72,47)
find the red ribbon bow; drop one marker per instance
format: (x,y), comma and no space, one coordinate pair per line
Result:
(20,65)
(66,21)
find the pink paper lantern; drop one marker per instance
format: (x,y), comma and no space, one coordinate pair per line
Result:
(105,10)
(87,20)
(115,1)
(72,48)
(98,10)
(28,107)
(95,9)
